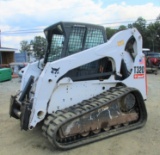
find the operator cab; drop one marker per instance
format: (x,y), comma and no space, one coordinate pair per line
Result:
(66,38)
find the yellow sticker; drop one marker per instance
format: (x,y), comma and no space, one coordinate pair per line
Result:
(120,43)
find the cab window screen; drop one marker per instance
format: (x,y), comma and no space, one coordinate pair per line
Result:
(56,47)
(94,37)
(76,40)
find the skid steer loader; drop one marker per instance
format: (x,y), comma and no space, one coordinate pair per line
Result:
(86,88)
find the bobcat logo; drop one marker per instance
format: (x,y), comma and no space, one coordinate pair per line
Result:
(55,70)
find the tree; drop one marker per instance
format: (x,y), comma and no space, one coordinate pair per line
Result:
(39,45)
(122,27)
(150,33)
(140,24)
(110,32)
(25,46)
(153,36)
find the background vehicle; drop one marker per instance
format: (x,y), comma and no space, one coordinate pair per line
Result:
(85,89)
(154,57)
(151,66)
(155,60)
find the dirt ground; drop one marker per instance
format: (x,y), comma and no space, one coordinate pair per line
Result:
(144,141)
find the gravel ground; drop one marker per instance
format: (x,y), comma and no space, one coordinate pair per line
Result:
(144,141)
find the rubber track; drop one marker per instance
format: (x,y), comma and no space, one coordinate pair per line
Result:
(54,122)
(48,120)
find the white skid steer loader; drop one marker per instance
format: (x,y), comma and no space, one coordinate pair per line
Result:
(86,88)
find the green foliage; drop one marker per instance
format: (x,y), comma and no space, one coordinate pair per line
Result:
(150,33)
(36,46)
(25,46)
(39,45)
(110,32)
(140,24)
(122,27)
(153,35)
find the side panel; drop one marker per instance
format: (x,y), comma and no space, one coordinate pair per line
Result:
(67,94)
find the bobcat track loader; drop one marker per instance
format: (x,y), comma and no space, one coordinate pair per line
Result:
(86,88)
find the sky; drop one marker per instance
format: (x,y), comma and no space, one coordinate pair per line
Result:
(35,15)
